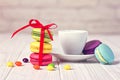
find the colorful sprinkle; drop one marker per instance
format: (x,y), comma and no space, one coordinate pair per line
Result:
(18,63)
(25,60)
(37,67)
(67,67)
(10,64)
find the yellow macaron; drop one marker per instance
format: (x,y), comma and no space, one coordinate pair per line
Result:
(34,47)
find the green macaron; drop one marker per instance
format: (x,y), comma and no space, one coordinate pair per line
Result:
(36,35)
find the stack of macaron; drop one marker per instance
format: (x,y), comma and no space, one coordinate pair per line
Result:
(102,52)
(34,47)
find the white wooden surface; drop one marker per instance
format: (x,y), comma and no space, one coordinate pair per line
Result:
(18,48)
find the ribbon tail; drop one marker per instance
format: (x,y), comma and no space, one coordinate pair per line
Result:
(50,35)
(19,30)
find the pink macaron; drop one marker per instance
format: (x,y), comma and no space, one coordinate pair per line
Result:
(44,63)
(34,59)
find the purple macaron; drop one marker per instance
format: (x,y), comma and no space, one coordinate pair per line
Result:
(90,46)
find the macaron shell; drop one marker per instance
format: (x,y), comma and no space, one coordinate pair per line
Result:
(106,52)
(46,35)
(37,51)
(34,47)
(47,40)
(90,46)
(99,57)
(47,46)
(89,51)
(44,56)
(44,60)
(36,35)
(43,63)
(39,30)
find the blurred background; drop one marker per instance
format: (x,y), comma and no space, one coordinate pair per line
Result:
(96,16)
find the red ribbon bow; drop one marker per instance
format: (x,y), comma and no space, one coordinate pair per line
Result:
(36,24)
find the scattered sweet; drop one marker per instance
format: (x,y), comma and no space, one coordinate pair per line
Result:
(25,60)
(37,67)
(104,54)
(18,63)
(67,67)
(10,64)
(50,68)
(51,64)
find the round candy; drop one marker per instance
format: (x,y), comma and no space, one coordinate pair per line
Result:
(67,67)
(37,67)
(10,64)
(51,64)
(18,63)
(50,68)
(25,60)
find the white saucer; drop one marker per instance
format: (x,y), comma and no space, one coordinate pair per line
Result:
(72,57)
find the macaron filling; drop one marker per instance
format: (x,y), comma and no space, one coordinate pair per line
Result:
(100,57)
(38,34)
(34,47)
(47,46)
(36,50)
(38,39)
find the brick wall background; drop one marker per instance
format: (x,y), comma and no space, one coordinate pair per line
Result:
(96,16)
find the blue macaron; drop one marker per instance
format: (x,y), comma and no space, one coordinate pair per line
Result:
(104,54)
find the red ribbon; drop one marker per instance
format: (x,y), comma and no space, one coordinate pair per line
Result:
(36,24)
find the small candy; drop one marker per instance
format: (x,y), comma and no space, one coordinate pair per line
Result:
(25,60)
(10,64)
(67,67)
(51,64)
(50,68)
(18,63)
(37,67)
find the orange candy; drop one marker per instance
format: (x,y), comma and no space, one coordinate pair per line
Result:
(37,67)
(18,63)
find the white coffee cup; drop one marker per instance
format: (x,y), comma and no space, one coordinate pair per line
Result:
(72,41)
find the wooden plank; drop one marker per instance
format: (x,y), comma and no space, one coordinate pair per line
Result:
(113,70)
(4,37)
(112,41)
(84,71)
(27,72)
(90,70)
(10,51)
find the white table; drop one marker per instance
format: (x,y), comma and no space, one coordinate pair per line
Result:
(18,48)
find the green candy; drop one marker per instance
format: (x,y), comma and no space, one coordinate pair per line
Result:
(51,64)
